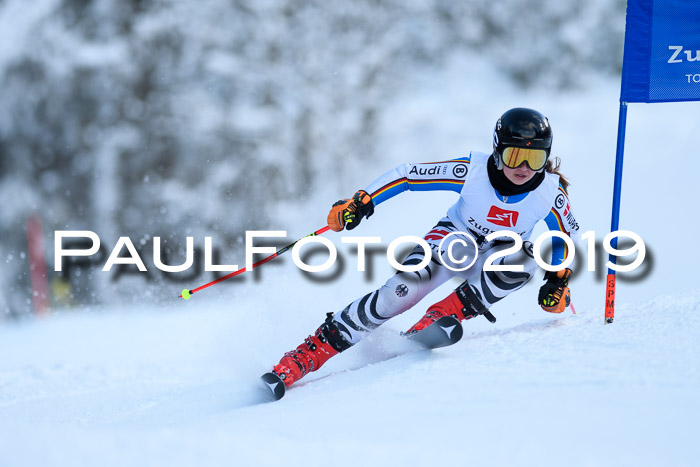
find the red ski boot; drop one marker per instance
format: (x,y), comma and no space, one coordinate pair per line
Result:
(316,350)
(456,304)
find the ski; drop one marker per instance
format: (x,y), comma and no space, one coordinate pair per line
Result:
(443,332)
(273,386)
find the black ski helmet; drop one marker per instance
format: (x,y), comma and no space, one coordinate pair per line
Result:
(521,128)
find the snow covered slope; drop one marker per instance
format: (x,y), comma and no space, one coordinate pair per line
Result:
(176,386)
(156,387)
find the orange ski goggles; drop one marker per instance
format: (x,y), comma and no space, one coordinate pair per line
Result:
(515,157)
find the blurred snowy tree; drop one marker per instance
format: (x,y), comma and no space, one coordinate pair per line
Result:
(175,118)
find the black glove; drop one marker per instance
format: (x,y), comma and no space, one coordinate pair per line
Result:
(554,295)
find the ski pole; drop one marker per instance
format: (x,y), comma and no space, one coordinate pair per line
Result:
(571,305)
(186,294)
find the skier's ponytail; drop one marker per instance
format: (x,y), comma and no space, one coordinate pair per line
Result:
(553,168)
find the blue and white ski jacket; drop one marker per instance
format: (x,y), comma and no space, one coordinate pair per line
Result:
(481,209)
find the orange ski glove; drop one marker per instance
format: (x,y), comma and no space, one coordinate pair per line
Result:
(349,212)
(554,295)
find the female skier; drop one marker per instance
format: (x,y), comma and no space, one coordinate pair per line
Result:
(511,189)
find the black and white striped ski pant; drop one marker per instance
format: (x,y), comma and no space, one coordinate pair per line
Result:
(403,290)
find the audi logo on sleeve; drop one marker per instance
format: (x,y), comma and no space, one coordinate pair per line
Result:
(502,217)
